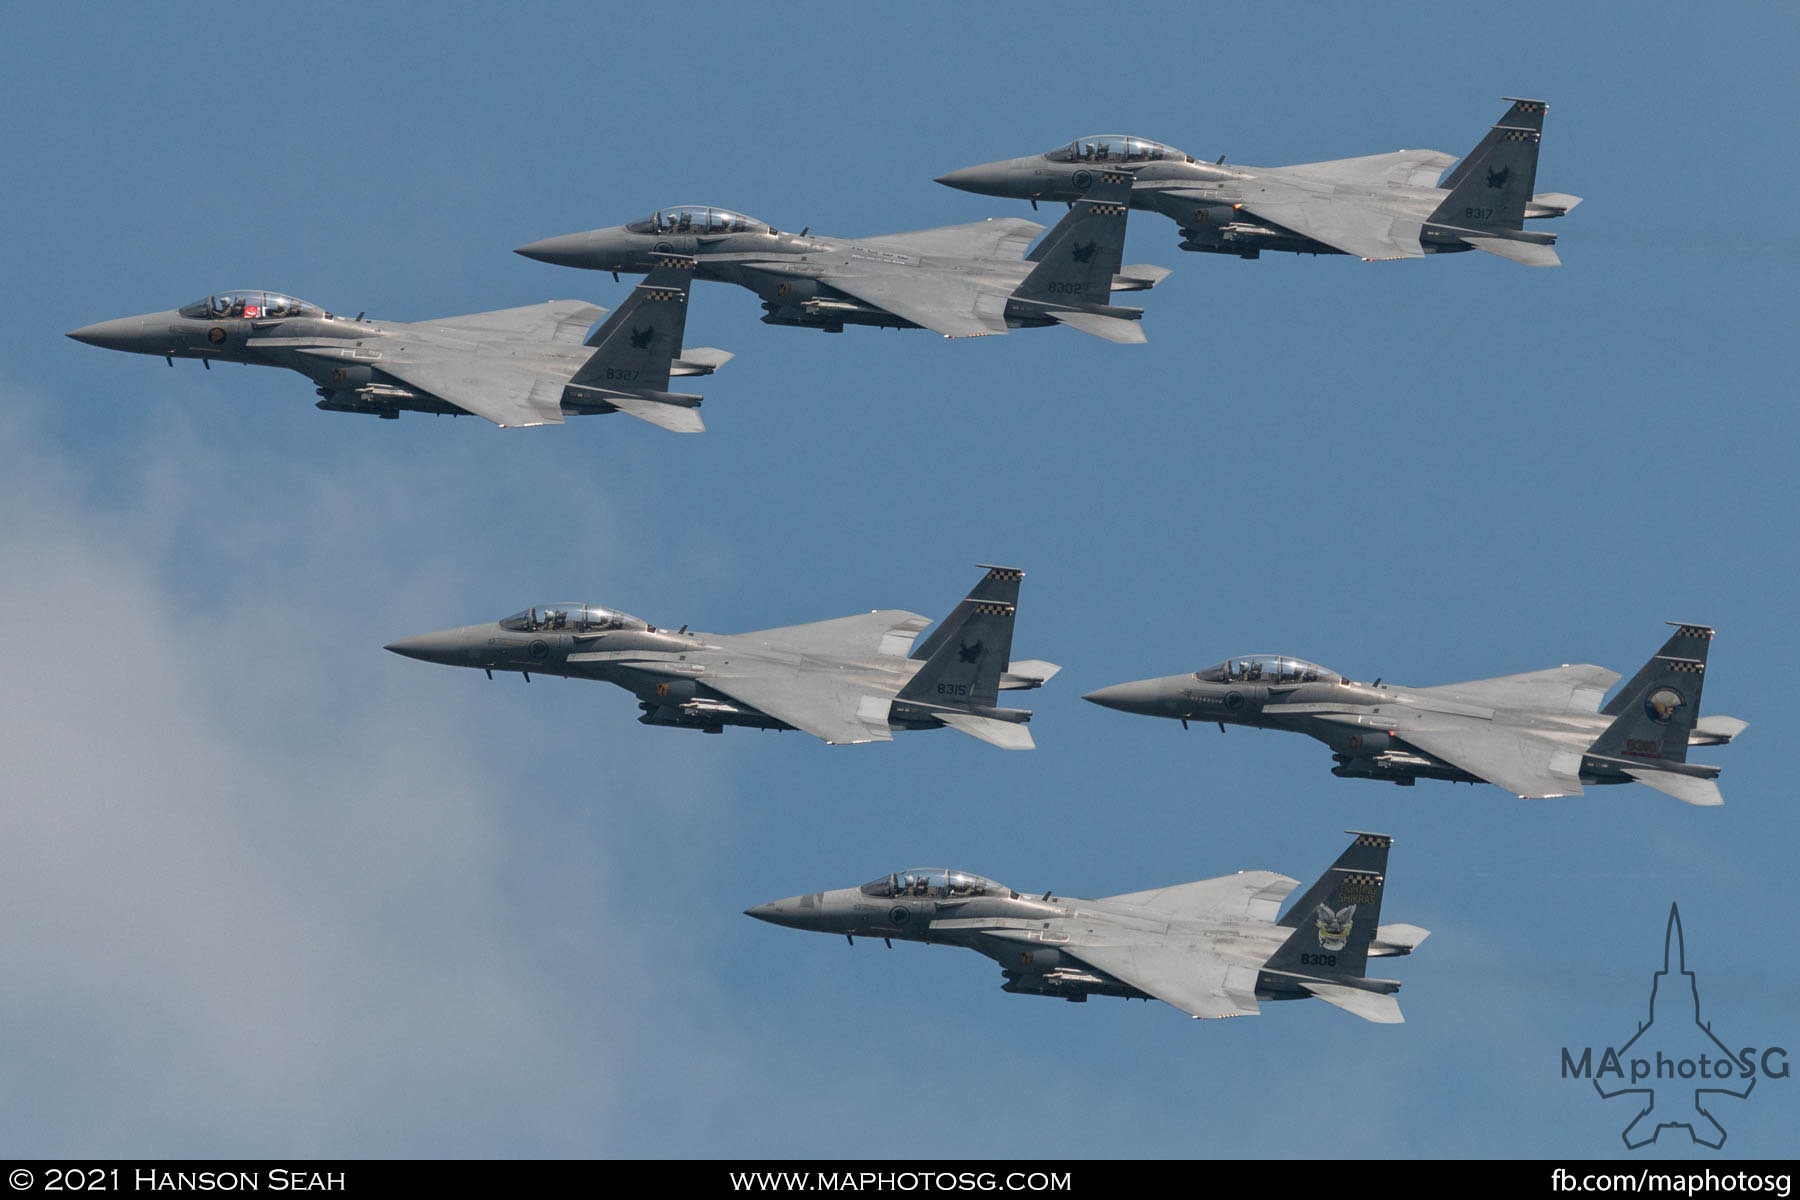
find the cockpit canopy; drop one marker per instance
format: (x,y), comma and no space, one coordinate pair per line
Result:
(698,219)
(249,306)
(572,618)
(1116,148)
(935,883)
(1267,668)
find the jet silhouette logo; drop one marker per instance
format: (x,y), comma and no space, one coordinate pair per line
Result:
(640,338)
(1674,1064)
(1497,179)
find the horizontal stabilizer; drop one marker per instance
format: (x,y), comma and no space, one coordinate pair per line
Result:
(1397,939)
(700,360)
(1550,204)
(1529,253)
(1716,730)
(672,415)
(1138,277)
(1113,329)
(1379,1007)
(1689,789)
(1030,673)
(1004,734)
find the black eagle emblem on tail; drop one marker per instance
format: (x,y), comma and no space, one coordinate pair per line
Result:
(1084,252)
(968,653)
(1497,179)
(640,338)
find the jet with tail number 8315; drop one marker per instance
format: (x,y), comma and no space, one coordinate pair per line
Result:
(960,280)
(853,679)
(515,367)
(1538,735)
(1213,948)
(1380,206)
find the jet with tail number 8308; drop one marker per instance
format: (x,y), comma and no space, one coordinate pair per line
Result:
(1380,206)
(1538,735)
(515,367)
(853,679)
(1213,948)
(960,280)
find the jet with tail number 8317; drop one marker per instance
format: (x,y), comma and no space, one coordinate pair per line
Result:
(853,679)
(1213,948)
(515,367)
(1538,735)
(960,280)
(1380,206)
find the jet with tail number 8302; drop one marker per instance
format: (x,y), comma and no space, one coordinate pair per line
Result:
(1379,206)
(1538,735)
(853,679)
(1213,948)
(515,367)
(961,280)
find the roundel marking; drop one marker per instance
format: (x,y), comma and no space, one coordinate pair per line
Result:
(1234,700)
(664,247)
(538,648)
(1662,704)
(899,914)
(216,335)
(1083,180)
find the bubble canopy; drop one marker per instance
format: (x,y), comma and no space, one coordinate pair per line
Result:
(697,219)
(571,618)
(248,306)
(1267,668)
(935,883)
(1116,147)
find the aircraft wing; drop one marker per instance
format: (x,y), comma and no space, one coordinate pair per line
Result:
(1530,767)
(1254,894)
(489,386)
(564,322)
(1402,168)
(886,632)
(1577,689)
(1187,976)
(837,708)
(997,237)
(950,304)
(1354,223)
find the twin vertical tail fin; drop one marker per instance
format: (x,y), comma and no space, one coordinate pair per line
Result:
(634,348)
(1490,191)
(1523,115)
(1654,714)
(1336,920)
(999,586)
(1078,260)
(971,651)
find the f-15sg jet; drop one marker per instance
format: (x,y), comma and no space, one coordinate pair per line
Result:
(960,280)
(515,367)
(1379,206)
(853,679)
(1213,948)
(1538,735)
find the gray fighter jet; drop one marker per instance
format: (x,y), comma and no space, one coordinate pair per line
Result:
(516,366)
(961,280)
(848,680)
(1537,735)
(1212,948)
(1381,206)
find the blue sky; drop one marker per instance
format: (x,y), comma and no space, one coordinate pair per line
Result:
(276,892)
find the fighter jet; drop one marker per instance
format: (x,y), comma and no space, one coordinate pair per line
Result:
(1212,948)
(961,280)
(847,680)
(1380,206)
(1537,735)
(515,367)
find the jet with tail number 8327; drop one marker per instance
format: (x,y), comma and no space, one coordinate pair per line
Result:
(1538,735)
(1213,948)
(1380,206)
(515,367)
(960,280)
(853,679)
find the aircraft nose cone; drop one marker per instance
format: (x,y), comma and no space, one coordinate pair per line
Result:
(565,250)
(780,912)
(987,179)
(446,646)
(126,333)
(1147,696)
